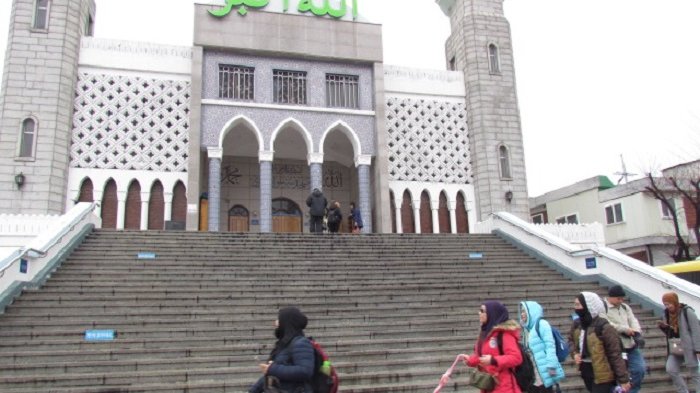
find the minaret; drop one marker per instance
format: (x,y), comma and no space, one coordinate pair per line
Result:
(36,104)
(481,46)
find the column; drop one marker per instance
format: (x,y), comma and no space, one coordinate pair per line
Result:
(168,208)
(215,155)
(121,208)
(453,219)
(399,222)
(436,219)
(316,171)
(98,195)
(416,215)
(265,159)
(363,163)
(145,199)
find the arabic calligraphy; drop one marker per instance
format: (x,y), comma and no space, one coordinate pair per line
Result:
(231,175)
(304,6)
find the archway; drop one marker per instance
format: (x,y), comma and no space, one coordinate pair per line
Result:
(132,219)
(407,222)
(286,216)
(461,213)
(340,146)
(238,219)
(86,191)
(444,214)
(156,207)
(393,211)
(179,209)
(426,214)
(110,205)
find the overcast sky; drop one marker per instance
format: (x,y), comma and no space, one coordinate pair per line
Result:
(596,78)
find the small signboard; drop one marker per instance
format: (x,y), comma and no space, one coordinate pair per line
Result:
(146,255)
(476,255)
(23,266)
(591,263)
(100,335)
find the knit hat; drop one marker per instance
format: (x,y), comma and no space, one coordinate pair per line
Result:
(616,291)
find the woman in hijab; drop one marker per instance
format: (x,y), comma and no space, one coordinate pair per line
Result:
(596,347)
(291,362)
(681,323)
(495,325)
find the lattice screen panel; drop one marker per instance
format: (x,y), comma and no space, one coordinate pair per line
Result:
(428,141)
(125,122)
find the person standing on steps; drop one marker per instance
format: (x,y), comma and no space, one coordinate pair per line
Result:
(290,366)
(317,208)
(335,217)
(355,218)
(682,331)
(622,318)
(539,339)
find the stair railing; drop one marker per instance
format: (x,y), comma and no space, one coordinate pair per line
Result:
(30,266)
(600,263)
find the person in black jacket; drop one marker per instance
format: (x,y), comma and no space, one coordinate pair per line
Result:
(317,207)
(335,217)
(290,366)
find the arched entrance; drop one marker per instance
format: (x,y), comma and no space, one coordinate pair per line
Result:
(109,205)
(461,213)
(238,219)
(86,189)
(444,214)
(407,214)
(426,213)
(156,207)
(286,216)
(132,219)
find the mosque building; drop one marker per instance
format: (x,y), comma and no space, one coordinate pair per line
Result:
(274,99)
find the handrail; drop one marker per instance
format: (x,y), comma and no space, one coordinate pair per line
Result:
(667,280)
(44,246)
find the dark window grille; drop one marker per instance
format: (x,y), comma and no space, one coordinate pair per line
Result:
(236,82)
(289,87)
(342,91)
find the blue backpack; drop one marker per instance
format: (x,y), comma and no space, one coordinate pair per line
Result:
(559,343)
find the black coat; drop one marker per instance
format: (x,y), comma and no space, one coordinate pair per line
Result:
(293,367)
(317,203)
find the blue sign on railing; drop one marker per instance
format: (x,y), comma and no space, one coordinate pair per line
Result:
(476,255)
(146,255)
(100,335)
(591,263)
(23,266)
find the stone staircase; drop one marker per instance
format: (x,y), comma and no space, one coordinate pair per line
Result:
(392,310)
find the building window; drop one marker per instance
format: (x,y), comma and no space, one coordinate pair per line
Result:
(27,139)
(504,162)
(453,64)
(494,60)
(667,213)
(289,87)
(537,219)
(613,213)
(89,26)
(570,219)
(342,91)
(236,82)
(41,15)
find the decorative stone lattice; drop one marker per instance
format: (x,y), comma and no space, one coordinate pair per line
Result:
(428,141)
(125,122)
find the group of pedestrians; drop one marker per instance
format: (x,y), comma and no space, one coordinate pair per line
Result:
(323,216)
(605,341)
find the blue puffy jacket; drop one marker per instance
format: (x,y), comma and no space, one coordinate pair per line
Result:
(293,366)
(541,345)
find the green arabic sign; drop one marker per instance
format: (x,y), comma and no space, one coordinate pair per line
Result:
(303,7)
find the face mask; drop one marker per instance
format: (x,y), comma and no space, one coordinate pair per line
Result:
(581,313)
(279,333)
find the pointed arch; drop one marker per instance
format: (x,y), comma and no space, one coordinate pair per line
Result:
(461,213)
(426,213)
(349,133)
(179,206)
(86,191)
(156,207)
(238,120)
(110,204)
(132,218)
(444,214)
(407,222)
(296,125)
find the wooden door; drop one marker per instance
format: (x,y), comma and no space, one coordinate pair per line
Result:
(286,224)
(238,224)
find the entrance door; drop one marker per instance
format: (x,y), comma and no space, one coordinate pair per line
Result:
(238,219)
(286,216)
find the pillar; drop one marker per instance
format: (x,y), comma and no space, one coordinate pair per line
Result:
(363,163)
(265,159)
(215,155)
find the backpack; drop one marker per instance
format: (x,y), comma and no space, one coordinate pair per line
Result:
(325,378)
(524,372)
(333,216)
(560,344)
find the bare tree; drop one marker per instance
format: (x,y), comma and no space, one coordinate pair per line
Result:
(683,181)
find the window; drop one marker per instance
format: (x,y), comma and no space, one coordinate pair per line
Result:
(537,219)
(237,82)
(27,139)
(289,87)
(667,213)
(89,26)
(613,213)
(342,91)
(570,219)
(453,64)
(41,15)
(494,61)
(504,161)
